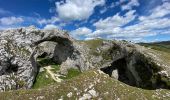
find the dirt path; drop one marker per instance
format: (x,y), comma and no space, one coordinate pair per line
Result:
(54,76)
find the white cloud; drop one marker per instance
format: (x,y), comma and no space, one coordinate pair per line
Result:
(48,21)
(115,21)
(115,27)
(51,26)
(131,3)
(77,9)
(11,20)
(81,32)
(160,11)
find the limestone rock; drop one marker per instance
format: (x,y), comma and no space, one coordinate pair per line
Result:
(18,53)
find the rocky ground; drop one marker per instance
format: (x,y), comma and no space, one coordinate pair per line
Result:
(89,85)
(49,64)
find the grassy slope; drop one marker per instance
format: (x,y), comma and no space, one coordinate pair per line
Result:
(103,85)
(93,45)
(161,48)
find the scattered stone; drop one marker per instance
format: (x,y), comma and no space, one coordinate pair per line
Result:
(69,94)
(93,93)
(41,70)
(85,97)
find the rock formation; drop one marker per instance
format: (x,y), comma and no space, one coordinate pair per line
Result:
(127,62)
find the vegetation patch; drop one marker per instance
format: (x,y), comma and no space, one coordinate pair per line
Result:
(45,78)
(55,68)
(42,79)
(103,86)
(158,46)
(71,73)
(93,45)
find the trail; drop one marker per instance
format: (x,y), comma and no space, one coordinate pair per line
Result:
(54,76)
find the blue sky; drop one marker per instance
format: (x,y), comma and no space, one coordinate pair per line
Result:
(132,20)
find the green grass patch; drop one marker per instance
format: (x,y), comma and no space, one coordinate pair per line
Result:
(42,80)
(107,88)
(158,46)
(56,68)
(71,73)
(93,45)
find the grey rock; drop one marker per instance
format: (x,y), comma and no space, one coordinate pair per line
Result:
(19,51)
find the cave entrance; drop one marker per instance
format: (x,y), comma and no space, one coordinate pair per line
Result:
(118,69)
(144,78)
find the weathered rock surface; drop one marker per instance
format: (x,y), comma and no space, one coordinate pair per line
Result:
(19,49)
(128,62)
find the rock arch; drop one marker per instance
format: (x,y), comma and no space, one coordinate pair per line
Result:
(134,68)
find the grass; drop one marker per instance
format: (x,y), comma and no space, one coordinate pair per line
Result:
(93,45)
(158,46)
(71,73)
(161,48)
(106,88)
(42,80)
(96,44)
(55,68)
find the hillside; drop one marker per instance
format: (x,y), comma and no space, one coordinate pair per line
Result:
(161,46)
(49,64)
(89,85)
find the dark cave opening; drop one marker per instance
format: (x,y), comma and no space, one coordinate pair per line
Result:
(43,55)
(11,69)
(123,74)
(145,76)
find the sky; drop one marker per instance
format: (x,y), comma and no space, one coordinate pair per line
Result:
(131,20)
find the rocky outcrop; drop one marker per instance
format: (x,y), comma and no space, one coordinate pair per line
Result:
(17,63)
(136,66)
(19,49)
(127,62)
